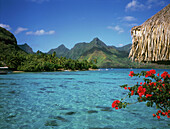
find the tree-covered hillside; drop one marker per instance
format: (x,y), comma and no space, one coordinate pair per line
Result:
(60,51)
(16,59)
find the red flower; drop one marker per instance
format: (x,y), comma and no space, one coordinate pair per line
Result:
(154,84)
(149,73)
(131,73)
(116,108)
(166,113)
(129,88)
(140,83)
(164,74)
(158,74)
(159,111)
(115,104)
(148,95)
(158,117)
(125,88)
(141,91)
(152,71)
(154,115)
(132,92)
(168,75)
(163,113)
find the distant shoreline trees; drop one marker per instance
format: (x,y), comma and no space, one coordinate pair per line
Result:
(40,62)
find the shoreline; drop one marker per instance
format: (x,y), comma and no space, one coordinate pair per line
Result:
(59,70)
(62,70)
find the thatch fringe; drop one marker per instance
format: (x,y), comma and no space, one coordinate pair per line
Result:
(151,40)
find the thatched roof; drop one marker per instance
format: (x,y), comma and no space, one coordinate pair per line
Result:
(151,40)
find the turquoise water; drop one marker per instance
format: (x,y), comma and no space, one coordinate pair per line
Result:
(74,100)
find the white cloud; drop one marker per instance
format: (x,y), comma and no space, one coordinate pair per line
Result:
(116,28)
(40,32)
(134,5)
(5,26)
(129,18)
(20,29)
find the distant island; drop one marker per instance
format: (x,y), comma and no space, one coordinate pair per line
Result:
(95,54)
(21,57)
(83,56)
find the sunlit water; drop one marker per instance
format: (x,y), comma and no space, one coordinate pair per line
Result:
(74,100)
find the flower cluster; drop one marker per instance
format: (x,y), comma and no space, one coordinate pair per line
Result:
(165,74)
(115,104)
(162,113)
(148,95)
(150,73)
(155,90)
(131,73)
(141,91)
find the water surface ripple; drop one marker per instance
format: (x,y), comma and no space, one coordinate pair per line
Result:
(74,100)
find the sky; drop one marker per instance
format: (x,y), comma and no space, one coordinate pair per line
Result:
(46,24)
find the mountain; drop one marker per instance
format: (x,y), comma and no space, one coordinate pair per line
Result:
(60,51)
(125,48)
(9,49)
(8,44)
(81,48)
(25,47)
(99,53)
(106,57)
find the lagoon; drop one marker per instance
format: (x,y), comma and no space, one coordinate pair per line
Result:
(74,100)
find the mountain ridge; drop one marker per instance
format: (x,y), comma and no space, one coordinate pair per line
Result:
(84,51)
(60,51)
(25,47)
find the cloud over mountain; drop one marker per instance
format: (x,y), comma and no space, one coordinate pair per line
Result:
(5,26)
(20,29)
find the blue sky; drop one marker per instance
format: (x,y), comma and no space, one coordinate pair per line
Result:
(45,24)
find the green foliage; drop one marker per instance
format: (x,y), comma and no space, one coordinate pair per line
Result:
(7,37)
(43,62)
(155,90)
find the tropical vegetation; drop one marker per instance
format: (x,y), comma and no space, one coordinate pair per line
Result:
(154,91)
(15,58)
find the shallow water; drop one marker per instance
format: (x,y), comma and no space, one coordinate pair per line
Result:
(74,100)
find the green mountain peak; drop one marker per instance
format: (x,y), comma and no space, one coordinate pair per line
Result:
(60,51)
(96,41)
(25,47)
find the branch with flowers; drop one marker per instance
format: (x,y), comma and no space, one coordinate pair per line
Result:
(154,91)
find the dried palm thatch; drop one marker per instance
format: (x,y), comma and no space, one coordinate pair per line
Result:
(151,40)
